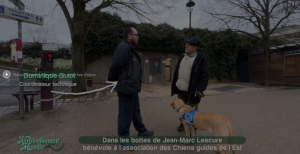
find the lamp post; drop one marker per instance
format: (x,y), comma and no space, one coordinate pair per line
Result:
(190,5)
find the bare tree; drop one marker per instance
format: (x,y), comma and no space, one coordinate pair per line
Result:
(145,10)
(265,16)
(42,34)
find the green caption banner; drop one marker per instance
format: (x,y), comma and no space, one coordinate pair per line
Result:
(162,140)
(49,76)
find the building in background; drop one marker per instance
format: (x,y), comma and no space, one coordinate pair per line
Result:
(291,34)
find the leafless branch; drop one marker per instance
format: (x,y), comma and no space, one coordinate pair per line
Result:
(67,15)
(87,1)
(265,16)
(45,34)
(104,4)
(143,9)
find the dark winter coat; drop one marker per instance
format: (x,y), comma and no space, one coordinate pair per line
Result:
(126,69)
(198,79)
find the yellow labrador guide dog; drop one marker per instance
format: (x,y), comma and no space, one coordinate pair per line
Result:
(214,123)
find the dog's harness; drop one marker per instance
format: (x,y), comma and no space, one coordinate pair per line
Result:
(189,117)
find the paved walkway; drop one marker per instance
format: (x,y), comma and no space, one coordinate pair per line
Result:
(268,118)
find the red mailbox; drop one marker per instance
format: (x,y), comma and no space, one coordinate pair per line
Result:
(16,50)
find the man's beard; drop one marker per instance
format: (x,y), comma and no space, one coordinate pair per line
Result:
(134,42)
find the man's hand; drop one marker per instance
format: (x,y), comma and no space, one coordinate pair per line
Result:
(198,94)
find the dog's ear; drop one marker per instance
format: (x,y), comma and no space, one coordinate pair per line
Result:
(172,103)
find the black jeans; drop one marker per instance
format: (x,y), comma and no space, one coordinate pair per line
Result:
(185,98)
(129,110)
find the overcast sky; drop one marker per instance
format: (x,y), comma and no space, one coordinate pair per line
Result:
(178,18)
(56,23)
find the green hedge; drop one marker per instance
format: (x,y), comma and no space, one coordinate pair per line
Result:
(220,47)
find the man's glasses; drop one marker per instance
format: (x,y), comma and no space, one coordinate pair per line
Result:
(137,35)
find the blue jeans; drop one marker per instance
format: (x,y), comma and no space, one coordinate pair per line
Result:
(129,111)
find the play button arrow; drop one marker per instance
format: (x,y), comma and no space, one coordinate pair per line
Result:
(6,74)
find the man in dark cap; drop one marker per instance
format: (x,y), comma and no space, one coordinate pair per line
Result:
(191,76)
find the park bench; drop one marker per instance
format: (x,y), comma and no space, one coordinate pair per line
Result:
(26,94)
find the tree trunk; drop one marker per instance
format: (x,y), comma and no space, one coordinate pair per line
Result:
(267,61)
(78,40)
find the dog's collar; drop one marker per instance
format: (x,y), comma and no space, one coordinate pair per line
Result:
(180,108)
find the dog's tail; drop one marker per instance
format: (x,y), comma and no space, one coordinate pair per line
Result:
(231,135)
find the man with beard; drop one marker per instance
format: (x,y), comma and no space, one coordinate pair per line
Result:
(126,69)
